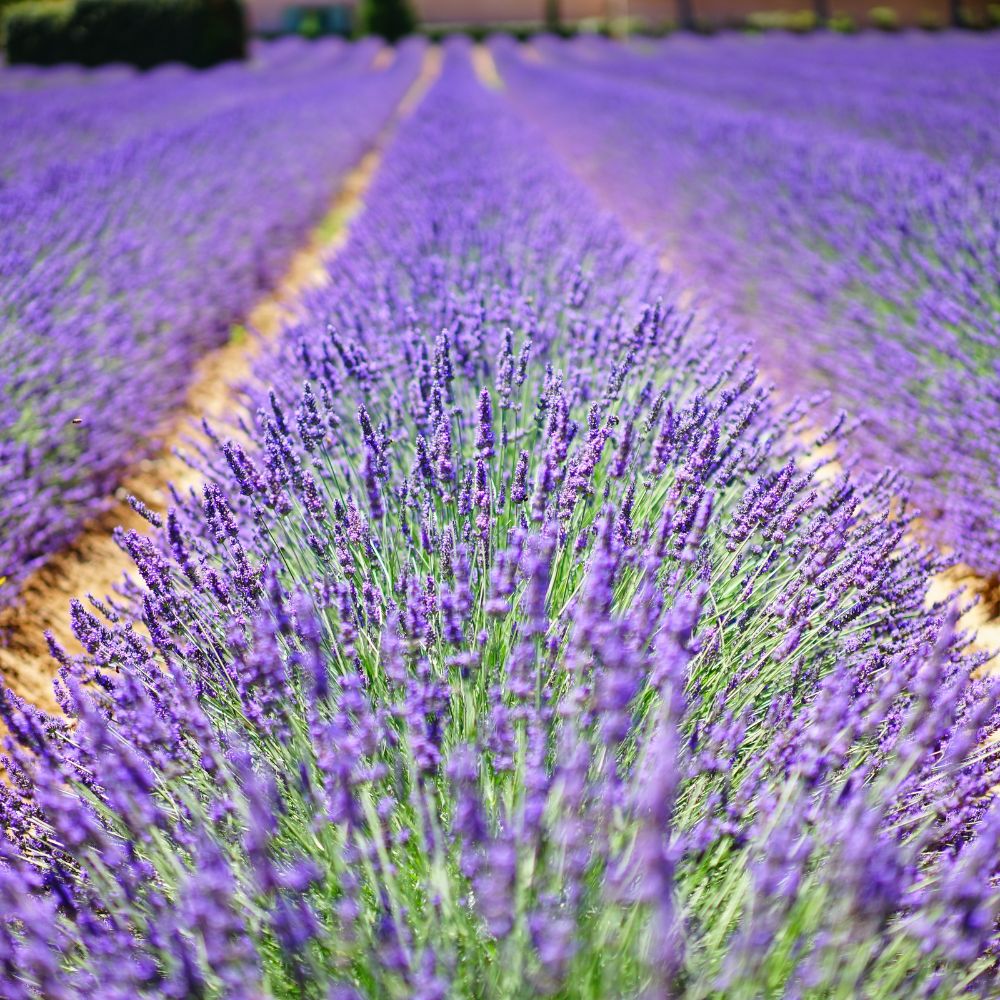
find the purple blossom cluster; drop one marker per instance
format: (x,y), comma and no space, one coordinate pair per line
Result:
(513,648)
(841,203)
(142,216)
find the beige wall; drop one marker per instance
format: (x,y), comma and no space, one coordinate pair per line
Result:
(910,12)
(265,15)
(479,11)
(496,11)
(719,12)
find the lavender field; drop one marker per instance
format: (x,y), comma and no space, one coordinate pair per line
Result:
(838,201)
(142,216)
(552,615)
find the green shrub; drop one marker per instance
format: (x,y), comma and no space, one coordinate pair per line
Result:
(519,31)
(657,29)
(843,24)
(624,26)
(310,24)
(973,19)
(929,20)
(392,19)
(142,32)
(993,14)
(37,33)
(553,15)
(799,21)
(5,6)
(764,20)
(884,18)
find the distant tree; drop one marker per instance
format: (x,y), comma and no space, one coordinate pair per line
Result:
(553,16)
(392,19)
(685,15)
(821,8)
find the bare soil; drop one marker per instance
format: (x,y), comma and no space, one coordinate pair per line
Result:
(486,68)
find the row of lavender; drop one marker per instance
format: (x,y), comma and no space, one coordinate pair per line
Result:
(95,110)
(510,651)
(142,216)
(869,86)
(840,202)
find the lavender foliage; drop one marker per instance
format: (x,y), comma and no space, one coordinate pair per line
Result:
(514,648)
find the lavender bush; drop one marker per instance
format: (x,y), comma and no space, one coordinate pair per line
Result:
(838,201)
(512,649)
(142,216)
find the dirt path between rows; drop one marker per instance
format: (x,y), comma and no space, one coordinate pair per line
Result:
(984,618)
(486,68)
(94,564)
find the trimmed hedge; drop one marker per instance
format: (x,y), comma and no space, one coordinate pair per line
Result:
(798,22)
(884,18)
(38,32)
(141,32)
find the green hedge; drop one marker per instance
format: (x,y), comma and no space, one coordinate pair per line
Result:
(799,22)
(38,33)
(884,18)
(392,19)
(141,32)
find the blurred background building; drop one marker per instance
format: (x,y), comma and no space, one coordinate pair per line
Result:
(201,33)
(282,15)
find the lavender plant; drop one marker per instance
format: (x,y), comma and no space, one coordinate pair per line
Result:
(513,648)
(815,194)
(142,217)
